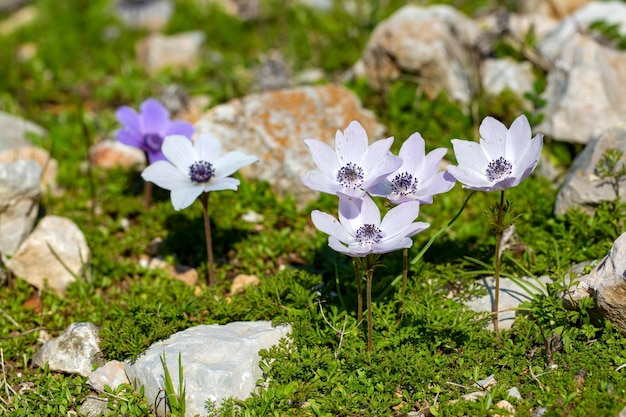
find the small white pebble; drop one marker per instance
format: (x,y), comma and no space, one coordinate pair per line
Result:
(252,217)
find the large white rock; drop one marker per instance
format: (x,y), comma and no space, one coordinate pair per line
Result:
(500,74)
(606,283)
(14,131)
(432,44)
(582,187)
(19,202)
(52,255)
(75,351)
(219,362)
(584,93)
(49,166)
(273,126)
(577,24)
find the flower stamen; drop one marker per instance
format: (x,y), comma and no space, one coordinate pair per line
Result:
(201,172)
(368,234)
(404,184)
(350,176)
(499,169)
(153,141)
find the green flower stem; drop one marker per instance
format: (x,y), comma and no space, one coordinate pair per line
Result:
(359,305)
(499,230)
(204,199)
(442,230)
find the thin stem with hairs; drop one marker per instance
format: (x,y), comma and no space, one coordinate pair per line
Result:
(204,199)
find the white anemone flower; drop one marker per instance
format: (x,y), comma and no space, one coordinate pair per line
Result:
(360,231)
(418,178)
(353,166)
(193,169)
(502,159)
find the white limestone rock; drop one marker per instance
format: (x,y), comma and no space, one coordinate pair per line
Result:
(606,283)
(19,203)
(511,296)
(110,374)
(219,362)
(584,90)
(14,131)
(75,351)
(433,44)
(500,74)
(52,255)
(582,187)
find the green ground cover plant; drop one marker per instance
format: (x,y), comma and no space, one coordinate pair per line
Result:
(565,361)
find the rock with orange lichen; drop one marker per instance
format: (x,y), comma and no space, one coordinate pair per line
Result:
(273,126)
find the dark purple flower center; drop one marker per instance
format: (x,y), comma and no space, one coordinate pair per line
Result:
(201,172)
(499,169)
(368,234)
(152,142)
(404,184)
(350,176)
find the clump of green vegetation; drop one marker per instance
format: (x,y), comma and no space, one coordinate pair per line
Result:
(84,68)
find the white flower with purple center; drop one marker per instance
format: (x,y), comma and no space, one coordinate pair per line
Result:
(360,231)
(193,169)
(502,159)
(353,167)
(147,130)
(418,178)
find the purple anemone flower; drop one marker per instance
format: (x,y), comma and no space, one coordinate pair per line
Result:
(502,159)
(195,168)
(147,129)
(360,231)
(418,178)
(353,166)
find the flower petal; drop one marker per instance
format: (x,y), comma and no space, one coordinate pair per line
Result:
(529,159)
(128,117)
(317,181)
(352,144)
(324,157)
(517,139)
(337,246)
(469,178)
(493,137)
(412,152)
(183,197)
(430,165)
(130,138)
(470,156)
(350,209)
(392,245)
(440,183)
(385,165)
(326,223)
(208,147)
(220,184)
(232,161)
(165,175)
(154,117)
(381,189)
(180,127)
(156,156)
(399,217)
(179,151)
